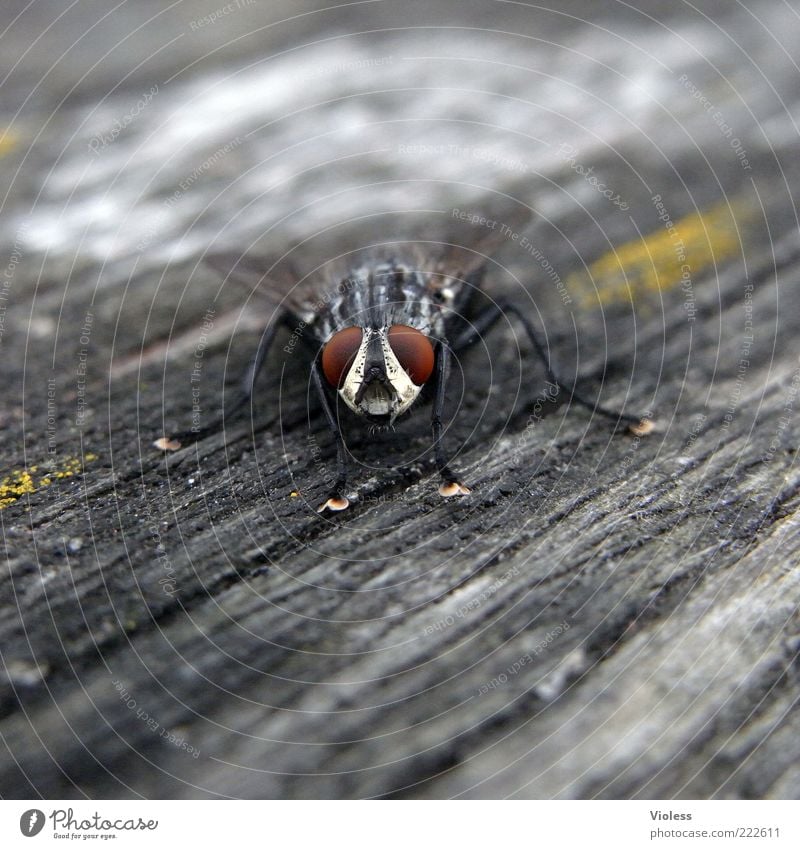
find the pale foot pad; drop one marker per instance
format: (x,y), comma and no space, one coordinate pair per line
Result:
(334,505)
(448,490)
(165,444)
(644,427)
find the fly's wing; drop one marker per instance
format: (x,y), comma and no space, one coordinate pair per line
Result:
(276,283)
(450,246)
(471,237)
(474,237)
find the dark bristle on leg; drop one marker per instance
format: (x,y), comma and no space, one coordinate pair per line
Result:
(637,425)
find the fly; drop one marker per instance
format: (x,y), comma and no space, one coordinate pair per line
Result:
(381,334)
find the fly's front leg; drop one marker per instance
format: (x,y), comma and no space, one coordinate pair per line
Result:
(245,394)
(336,500)
(450,485)
(638,425)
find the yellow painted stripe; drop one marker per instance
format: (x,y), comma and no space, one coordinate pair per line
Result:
(21,482)
(663,259)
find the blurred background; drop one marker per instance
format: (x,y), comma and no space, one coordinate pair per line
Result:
(138,133)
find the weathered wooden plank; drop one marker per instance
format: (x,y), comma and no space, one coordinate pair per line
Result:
(604,616)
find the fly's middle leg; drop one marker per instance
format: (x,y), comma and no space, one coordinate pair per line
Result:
(638,425)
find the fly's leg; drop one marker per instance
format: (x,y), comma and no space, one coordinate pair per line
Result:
(450,485)
(336,501)
(245,394)
(638,425)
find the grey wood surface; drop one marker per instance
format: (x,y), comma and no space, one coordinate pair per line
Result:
(606,615)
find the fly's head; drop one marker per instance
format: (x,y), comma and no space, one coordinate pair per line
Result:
(378,372)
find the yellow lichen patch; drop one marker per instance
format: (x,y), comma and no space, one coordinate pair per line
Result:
(21,482)
(670,256)
(8,141)
(18,483)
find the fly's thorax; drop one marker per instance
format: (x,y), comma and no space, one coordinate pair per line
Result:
(386,293)
(447,294)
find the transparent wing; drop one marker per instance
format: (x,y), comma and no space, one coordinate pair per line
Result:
(270,280)
(450,244)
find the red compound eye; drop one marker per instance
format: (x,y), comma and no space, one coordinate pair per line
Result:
(339,353)
(413,350)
